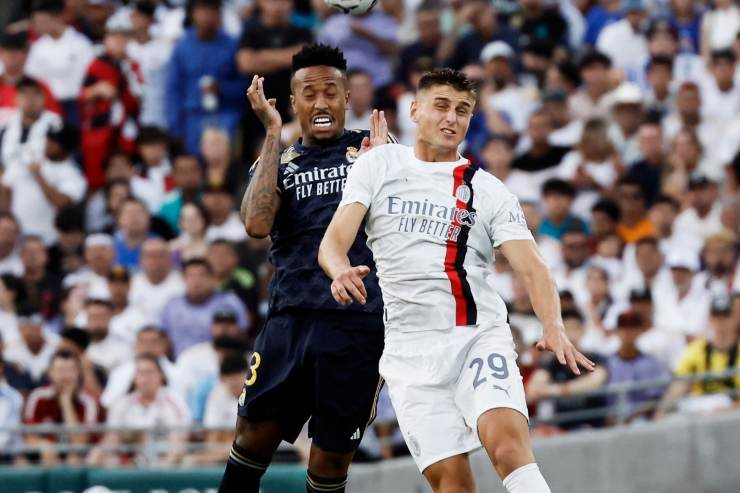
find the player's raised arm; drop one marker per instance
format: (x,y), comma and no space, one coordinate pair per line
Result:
(347,285)
(261,200)
(526,261)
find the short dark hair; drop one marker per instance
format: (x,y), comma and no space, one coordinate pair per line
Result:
(80,337)
(448,77)
(726,54)
(54,7)
(70,219)
(608,207)
(151,135)
(661,61)
(668,200)
(315,54)
(569,71)
(231,344)
(594,57)
(629,319)
(566,314)
(233,364)
(196,262)
(558,186)
(631,181)
(28,83)
(66,355)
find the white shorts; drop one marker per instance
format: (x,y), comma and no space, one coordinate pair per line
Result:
(440,382)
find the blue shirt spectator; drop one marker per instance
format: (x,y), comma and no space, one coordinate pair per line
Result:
(204,87)
(597,19)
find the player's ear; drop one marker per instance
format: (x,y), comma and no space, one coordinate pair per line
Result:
(292,104)
(413,111)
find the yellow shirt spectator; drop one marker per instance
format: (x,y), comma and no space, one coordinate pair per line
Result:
(700,357)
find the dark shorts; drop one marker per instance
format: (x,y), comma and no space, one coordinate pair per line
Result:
(318,366)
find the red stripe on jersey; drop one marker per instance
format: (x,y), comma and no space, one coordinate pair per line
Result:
(465,310)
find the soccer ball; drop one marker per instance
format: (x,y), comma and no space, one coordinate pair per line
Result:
(352,7)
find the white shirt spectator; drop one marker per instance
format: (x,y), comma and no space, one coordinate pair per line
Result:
(127,324)
(195,364)
(20,151)
(151,298)
(232,230)
(11,408)
(220,407)
(573,280)
(34,364)
(515,103)
(716,104)
(30,206)
(12,264)
(625,47)
(688,315)
(168,409)
(8,327)
(690,224)
(721,27)
(122,376)
(604,174)
(152,58)
(61,63)
(110,352)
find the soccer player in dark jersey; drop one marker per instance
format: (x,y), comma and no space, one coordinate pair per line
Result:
(314,360)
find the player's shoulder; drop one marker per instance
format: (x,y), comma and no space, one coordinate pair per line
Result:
(386,154)
(486,182)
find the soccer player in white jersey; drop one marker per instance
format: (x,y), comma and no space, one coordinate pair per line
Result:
(433,221)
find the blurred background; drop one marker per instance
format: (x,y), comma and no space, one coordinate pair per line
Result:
(130,294)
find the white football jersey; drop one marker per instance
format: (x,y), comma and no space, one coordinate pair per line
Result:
(432,228)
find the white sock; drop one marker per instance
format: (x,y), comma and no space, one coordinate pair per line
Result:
(526,479)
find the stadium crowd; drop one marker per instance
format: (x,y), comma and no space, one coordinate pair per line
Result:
(130,293)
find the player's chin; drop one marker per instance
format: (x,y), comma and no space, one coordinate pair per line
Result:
(325,133)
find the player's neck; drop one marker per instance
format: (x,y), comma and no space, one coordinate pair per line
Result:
(434,154)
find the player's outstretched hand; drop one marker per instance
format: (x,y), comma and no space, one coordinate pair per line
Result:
(556,341)
(348,286)
(378,132)
(264,108)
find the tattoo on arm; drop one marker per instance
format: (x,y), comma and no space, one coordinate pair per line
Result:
(261,200)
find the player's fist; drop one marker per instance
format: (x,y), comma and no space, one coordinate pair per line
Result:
(348,286)
(264,108)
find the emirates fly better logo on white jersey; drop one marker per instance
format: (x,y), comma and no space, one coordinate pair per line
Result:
(441,221)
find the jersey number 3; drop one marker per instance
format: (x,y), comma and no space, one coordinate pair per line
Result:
(253,365)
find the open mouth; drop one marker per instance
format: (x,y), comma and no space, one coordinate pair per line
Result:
(448,131)
(322,121)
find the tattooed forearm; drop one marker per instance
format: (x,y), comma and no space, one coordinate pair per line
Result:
(261,200)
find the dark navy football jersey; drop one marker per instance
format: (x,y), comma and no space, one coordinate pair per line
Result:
(310,182)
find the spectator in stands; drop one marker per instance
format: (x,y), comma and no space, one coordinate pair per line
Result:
(59,57)
(203,85)
(231,277)
(75,341)
(10,259)
(686,19)
(720,260)
(154,167)
(223,221)
(634,223)
(157,282)
(98,254)
(558,197)
(663,215)
(220,169)
(552,381)
(630,365)
(702,217)
(266,48)
(651,272)
(427,46)
(485,29)
(719,27)
(219,411)
(109,104)
(62,402)
(194,220)
(187,318)
(627,114)
(624,41)
(151,406)
(369,42)
(106,349)
(687,305)
(361,91)
(152,341)
(11,409)
(599,16)
(605,217)
(41,287)
(566,129)
(589,101)
(187,177)
(13,56)
(66,256)
(649,170)
(151,52)
(688,117)
(542,159)
(127,318)
(591,168)
(10,291)
(571,273)
(719,352)
(133,223)
(660,98)
(39,190)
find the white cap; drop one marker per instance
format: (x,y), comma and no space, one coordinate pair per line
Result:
(626,93)
(496,49)
(683,259)
(99,239)
(119,22)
